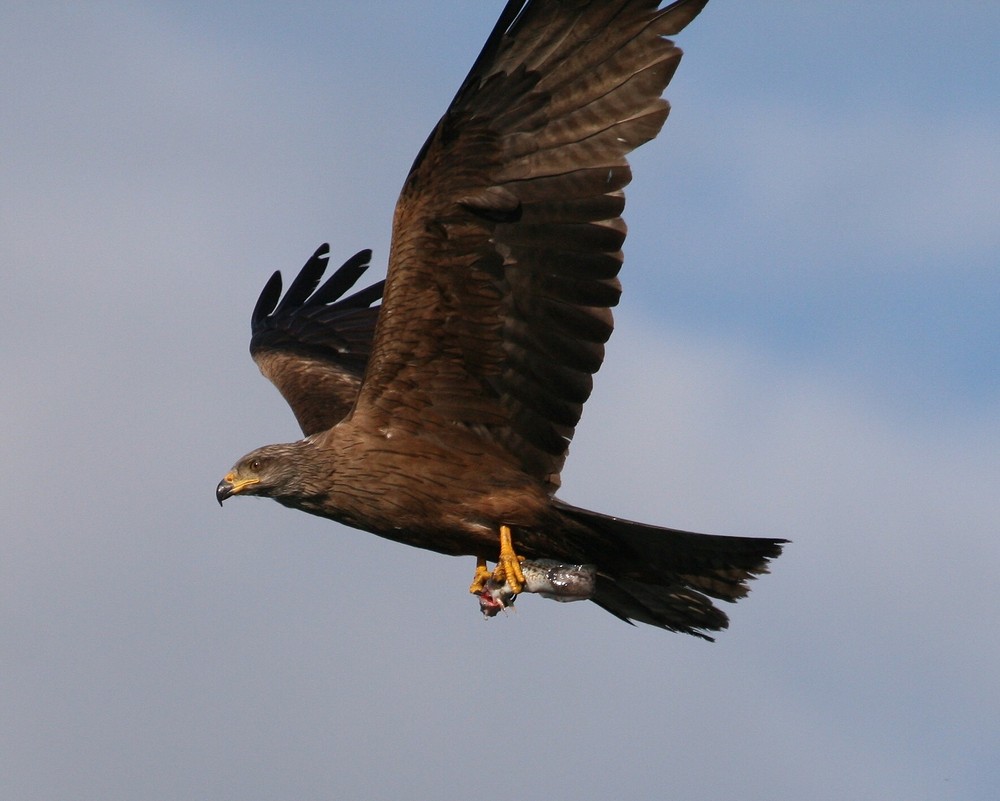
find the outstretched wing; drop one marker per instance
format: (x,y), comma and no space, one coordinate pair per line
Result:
(314,345)
(507,235)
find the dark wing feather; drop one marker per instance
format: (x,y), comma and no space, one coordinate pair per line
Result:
(507,235)
(315,343)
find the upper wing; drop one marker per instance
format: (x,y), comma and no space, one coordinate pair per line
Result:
(314,346)
(507,235)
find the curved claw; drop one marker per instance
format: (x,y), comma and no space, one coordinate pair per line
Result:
(480,578)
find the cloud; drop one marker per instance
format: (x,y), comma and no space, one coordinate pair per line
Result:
(890,184)
(894,193)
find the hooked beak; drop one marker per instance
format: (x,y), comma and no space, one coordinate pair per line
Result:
(223,491)
(231,485)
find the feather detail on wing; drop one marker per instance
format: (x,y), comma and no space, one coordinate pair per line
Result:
(507,235)
(314,344)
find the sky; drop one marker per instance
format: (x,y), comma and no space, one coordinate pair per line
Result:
(808,347)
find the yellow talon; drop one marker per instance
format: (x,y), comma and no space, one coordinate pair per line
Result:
(480,578)
(508,570)
(509,565)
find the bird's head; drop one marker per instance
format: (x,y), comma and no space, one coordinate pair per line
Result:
(268,472)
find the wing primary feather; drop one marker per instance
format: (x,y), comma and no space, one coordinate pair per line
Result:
(363,298)
(486,56)
(346,276)
(267,301)
(306,281)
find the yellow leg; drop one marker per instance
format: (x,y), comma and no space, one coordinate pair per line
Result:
(481,577)
(509,565)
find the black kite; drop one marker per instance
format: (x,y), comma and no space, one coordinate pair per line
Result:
(442,418)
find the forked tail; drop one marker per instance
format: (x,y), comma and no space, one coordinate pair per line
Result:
(666,577)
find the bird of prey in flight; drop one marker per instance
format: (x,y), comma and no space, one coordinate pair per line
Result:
(441,417)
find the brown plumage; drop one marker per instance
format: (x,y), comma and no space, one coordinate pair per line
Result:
(505,255)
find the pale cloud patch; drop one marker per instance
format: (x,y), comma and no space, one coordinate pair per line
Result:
(893,192)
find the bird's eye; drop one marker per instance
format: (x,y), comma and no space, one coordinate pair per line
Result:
(255,465)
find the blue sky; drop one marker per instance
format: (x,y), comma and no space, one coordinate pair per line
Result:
(808,347)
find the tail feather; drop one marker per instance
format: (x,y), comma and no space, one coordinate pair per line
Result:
(666,577)
(672,607)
